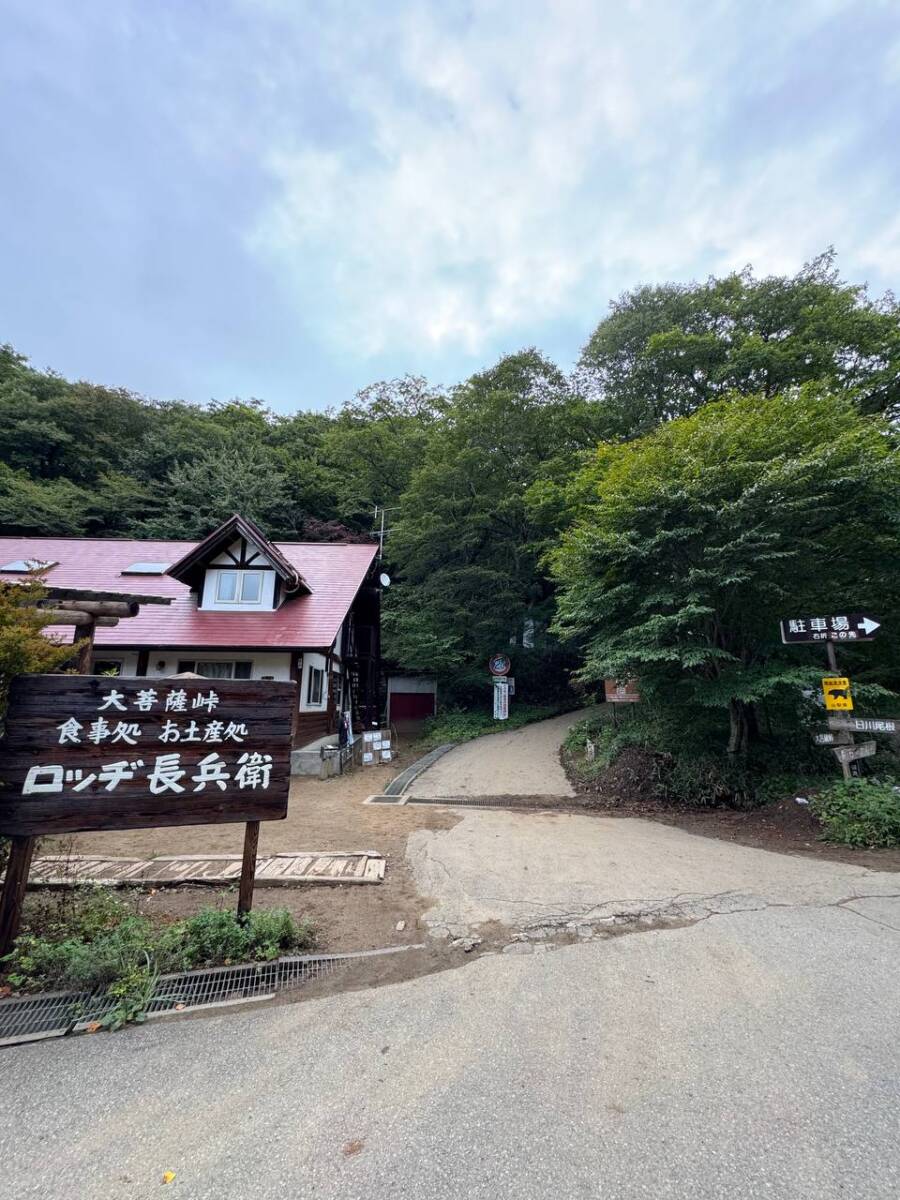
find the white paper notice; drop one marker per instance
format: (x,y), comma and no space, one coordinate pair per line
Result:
(367,758)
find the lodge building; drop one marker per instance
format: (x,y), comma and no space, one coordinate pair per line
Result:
(242,607)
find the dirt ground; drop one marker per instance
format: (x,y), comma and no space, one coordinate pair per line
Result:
(786,827)
(322,815)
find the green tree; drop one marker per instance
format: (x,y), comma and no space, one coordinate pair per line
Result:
(464,544)
(690,544)
(200,495)
(374,444)
(665,350)
(24,649)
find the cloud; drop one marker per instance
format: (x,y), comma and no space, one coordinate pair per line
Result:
(514,164)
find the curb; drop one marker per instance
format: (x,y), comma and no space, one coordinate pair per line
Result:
(399,785)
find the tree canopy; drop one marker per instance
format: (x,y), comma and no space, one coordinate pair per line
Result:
(690,544)
(717,404)
(663,351)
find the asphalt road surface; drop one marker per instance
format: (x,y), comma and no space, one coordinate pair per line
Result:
(746,1055)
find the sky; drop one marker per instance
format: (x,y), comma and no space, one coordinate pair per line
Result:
(290,200)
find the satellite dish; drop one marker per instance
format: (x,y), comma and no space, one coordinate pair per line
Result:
(384,579)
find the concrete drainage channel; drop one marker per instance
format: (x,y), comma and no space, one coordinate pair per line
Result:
(55,1014)
(533,802)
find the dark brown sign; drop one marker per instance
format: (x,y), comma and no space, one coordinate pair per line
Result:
(621,691)
(87,752)
(850,627)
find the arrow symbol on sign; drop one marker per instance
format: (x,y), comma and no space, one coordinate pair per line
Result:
(868,626)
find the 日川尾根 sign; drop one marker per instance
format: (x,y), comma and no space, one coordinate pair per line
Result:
(88,753)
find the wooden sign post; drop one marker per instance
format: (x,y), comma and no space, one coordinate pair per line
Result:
(89,753)
(836,691)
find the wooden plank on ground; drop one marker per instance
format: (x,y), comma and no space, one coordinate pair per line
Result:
(272,870)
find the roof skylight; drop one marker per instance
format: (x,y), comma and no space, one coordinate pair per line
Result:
(21,566)
(146,568)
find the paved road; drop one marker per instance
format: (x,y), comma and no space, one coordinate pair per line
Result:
(749,1051)
(523,762)
(747,1055)
(545,869)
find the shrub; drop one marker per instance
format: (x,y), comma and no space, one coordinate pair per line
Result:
(860,812)
(463,725)
(91,938)
(216,936)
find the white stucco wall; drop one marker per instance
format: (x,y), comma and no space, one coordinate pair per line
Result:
(319,662)
(274,664)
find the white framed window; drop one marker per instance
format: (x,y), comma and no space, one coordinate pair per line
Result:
(315,687)
(239,587)
(314,682)
(228,669)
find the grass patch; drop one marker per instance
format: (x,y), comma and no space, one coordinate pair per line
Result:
(860,812)
(88,938)
(462,725)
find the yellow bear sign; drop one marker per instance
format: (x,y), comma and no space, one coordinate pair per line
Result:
(836,690)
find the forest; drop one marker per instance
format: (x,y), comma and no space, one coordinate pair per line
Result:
(723,454)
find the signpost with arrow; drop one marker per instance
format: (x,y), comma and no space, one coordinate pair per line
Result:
(851,627)
(846,627)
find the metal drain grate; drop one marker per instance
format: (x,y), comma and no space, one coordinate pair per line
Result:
(53,1014)
(491,801)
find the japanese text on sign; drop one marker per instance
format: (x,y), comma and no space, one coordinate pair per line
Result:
(85,753)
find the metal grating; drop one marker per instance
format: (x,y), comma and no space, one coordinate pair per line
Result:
(54,1014)
(491,801)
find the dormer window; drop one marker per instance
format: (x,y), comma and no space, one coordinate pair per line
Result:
(238,587)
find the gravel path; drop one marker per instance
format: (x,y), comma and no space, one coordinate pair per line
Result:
(523,762)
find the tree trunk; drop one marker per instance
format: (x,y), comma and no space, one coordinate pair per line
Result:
(743,727)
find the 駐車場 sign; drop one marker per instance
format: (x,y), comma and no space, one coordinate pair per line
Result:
(86,752)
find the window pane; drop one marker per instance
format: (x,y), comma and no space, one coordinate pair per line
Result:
(226,589)
(186,664)
(314,687)
(107,666)
(243,670)
(251,587)
(215,670)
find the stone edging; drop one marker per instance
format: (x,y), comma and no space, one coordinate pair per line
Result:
(402,781)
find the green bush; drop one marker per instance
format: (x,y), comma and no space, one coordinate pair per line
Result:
(462,725)
(93,939)
(216,936)
(686,769)
(860,812)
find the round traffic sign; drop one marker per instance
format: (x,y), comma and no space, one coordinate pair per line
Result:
(499,664)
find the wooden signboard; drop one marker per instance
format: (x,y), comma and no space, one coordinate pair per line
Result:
(866,724)
(847,754)
(832,738)
(621,691)
(88,753)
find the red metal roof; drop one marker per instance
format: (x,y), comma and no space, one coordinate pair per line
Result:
(333,571)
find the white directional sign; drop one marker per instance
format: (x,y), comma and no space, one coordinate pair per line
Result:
(866,724)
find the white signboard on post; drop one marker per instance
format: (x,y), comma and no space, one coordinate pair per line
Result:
(501,700)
